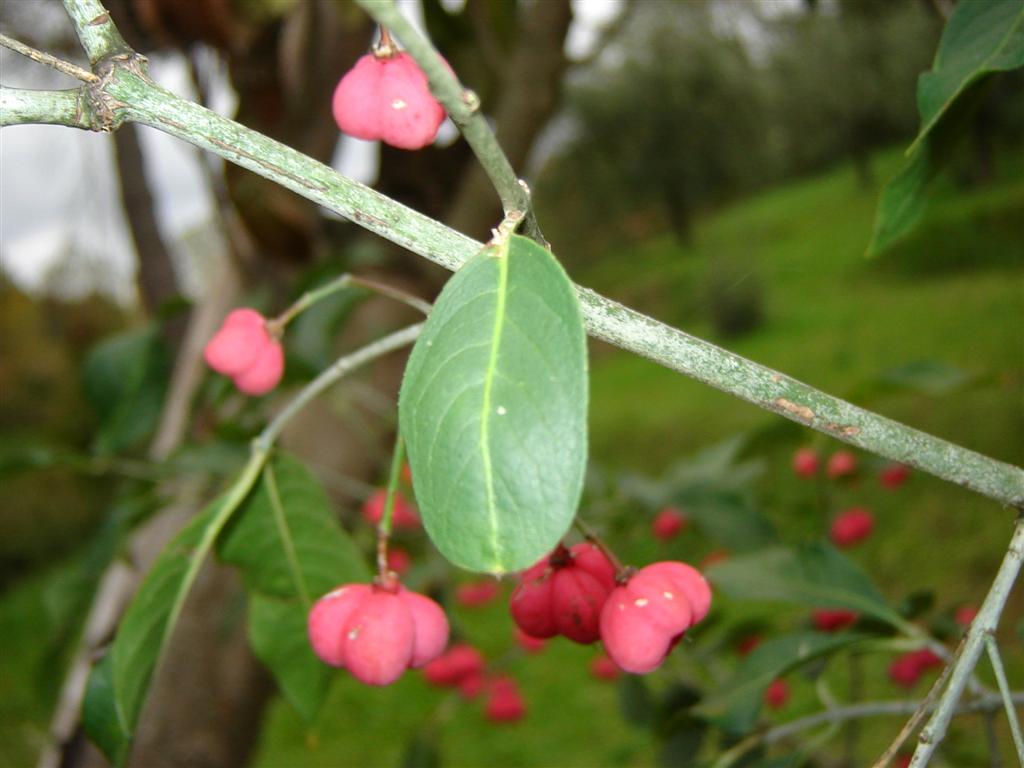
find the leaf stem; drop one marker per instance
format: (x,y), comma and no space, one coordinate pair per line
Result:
(41,57)
(592,536)
(463,106)
(1004,690)
(308,299)
(970,650)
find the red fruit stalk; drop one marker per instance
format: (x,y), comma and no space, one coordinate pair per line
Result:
(644,619)
(564,593)
(245,351)
(387,98)
(376,633)
(851,527)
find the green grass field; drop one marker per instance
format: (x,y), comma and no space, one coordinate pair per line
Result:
(952,296)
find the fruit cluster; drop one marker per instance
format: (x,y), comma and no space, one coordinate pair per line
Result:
(638,615)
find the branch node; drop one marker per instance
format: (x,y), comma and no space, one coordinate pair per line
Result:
(471,101)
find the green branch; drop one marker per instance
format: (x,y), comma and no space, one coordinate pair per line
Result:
(96,30)
(127,93)
(463,106)
(983,626)
(23,107)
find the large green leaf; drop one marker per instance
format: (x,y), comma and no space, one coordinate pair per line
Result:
(286,539)
(816,575)
(150,619)
(277,633)
(982,37)
(734,705)
(100,717)
(493,409)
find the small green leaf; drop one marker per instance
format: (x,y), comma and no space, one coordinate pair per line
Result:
(286,539)
(815,575)
(100,715)
(734,706)
(493,409)
(421,751)
(277,633)
(982,37)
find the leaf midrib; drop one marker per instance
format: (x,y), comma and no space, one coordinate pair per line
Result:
(485,408)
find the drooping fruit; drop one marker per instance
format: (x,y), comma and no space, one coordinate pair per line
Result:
(245,351)
(402,516)
(841,464)
(828,620)
(387,98)
(806,462)
(668,523)
(851,527)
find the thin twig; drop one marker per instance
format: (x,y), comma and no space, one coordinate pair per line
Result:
(310,298)
(984,624)
(852,712)
(463,106)
(329,376)
(927,705)
(1004,691)
(96,30)
(60,65)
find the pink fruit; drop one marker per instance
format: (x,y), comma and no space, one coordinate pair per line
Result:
(603,668)
(402,516)
(387,98)
(529,643)
(471,685)
(806,462)
(668,523)
(376,633)
(833,620)
(852,526)
(431,627)
(643,619)
(777,694)
(454,666)
(965,614)
(244,350)
(748,644)
(504,703)
(477,593)
(892,476)
(907,669)
(399,560)
(564,593)
(841,464)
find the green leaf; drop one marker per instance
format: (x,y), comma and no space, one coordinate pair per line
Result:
(286,539)
(291,550)
(734,706)
(729,518)
(421,750)
(151,617)
(635,701)
(930,377)
(493,409)
(125,377)
(277,634)
(100,718)
(816,575)
(982,37)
